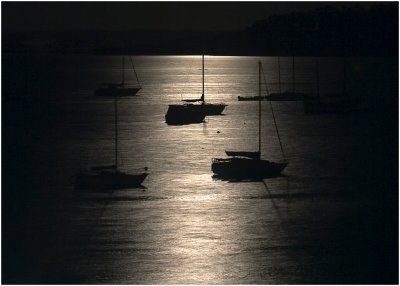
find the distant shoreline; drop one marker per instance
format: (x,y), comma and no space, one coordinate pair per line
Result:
(326,31)
(184,43)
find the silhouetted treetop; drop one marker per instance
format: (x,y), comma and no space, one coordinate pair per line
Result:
(325,31)
(330,30)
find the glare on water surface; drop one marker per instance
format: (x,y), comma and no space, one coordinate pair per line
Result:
(184,226)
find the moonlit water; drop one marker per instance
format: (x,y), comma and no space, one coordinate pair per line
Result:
(319,223)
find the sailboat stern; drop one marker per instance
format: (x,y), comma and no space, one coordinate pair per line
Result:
(213,108)
(116,90)
(246,168)
(109,180)
(184,114)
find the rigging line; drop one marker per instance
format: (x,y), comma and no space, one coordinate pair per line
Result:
(273,115)
(116,129)
(134,70)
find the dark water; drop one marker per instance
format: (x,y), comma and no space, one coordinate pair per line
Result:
(332,217)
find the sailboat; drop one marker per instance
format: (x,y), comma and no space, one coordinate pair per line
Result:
(110,177)
(340,102)
(184,114)
(279,96)
(247,165)
(286,95)
(208,108)
(120,89)
(190,112)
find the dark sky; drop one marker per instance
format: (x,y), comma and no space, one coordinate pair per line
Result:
(216,16)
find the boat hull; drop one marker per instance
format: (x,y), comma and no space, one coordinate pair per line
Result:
(192,113)
(117,91)
(246,168)
(250,98)
(109,180)
(213,109)
(332,104)
(184,114)
(286,96)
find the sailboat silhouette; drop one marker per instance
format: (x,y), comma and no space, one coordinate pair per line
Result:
(247,165)
(119,89)
(110,177)
(286,95)
(190,112)
(341,102)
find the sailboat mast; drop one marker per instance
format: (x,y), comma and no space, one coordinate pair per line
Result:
(116,130)
(279,74)
(317,71)
(344,75)
(203,78)
(123,70)
(293,74)
(259,108)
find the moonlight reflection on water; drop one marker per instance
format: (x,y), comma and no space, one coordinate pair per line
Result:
(316,224)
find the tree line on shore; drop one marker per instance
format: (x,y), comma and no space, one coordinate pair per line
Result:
(325,31)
